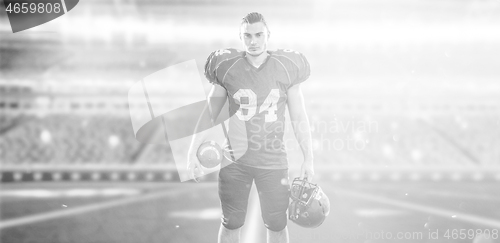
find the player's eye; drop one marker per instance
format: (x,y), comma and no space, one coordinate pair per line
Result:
(247,36)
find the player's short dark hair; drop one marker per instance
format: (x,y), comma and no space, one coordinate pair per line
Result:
(254,17)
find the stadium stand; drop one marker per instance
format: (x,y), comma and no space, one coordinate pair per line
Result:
(413,100)
(356,133)
(386,141)
(69,139)
(368,140)
(477,135)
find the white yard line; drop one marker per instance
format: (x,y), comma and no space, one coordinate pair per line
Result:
(474,196)
(457,215)
(95,207)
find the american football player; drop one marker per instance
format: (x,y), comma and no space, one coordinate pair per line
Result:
(258,84)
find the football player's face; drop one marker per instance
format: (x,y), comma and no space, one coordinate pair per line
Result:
(254,37)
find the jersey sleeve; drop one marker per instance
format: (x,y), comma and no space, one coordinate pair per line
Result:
(216,64)
(211,69)
(304,70)
(296,64)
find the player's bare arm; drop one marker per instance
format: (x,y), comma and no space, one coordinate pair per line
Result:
(298,115)
(216,99)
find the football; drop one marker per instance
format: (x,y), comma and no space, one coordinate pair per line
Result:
(209,154)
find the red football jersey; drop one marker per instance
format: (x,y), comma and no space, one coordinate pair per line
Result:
(257,98)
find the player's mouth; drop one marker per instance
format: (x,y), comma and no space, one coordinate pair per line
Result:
(253,49)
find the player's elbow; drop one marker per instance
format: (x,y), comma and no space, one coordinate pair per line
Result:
(298,115)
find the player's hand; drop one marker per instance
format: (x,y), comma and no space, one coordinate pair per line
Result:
(194,167)
(307,170)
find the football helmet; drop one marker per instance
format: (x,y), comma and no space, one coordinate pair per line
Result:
(309,206)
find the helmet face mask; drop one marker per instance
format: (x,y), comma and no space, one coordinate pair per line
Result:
(303,191)
(309,206)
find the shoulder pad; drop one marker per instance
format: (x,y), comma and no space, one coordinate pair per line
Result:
(288,53)
(292,56)
(223,55)
(227,53)
(216,58)
(295,62)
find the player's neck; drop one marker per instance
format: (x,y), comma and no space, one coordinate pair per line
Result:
(256,61)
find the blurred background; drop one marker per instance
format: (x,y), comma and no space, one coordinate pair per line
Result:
(404,99)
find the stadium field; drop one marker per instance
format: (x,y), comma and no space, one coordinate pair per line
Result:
(363,211)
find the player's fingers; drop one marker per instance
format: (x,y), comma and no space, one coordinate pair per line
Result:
(190,163)
(302,174)
(192,171)
(196,169)
(195,179)
(305,175)
(192,175)
(311,175)
(197,172)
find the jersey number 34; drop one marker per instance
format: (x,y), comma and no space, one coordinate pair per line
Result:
(248,104)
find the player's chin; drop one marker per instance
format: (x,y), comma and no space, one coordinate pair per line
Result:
(255,52)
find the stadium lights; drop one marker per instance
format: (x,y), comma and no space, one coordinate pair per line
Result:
(45,136)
